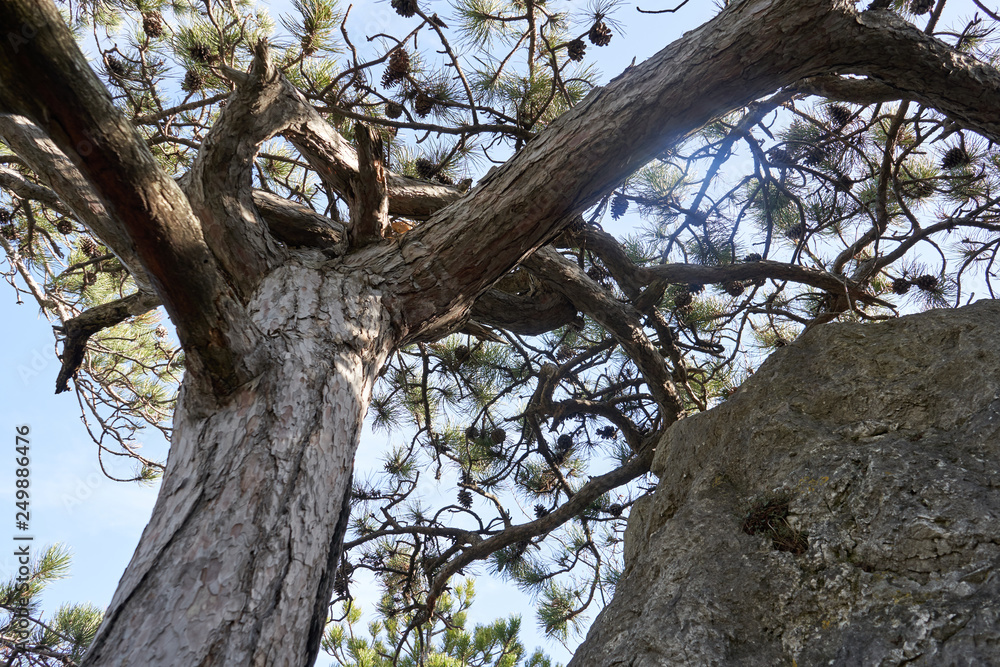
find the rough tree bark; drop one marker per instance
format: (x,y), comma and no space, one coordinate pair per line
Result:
(241,550)
(283,345)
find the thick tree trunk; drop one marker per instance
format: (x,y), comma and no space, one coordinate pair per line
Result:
(236,566)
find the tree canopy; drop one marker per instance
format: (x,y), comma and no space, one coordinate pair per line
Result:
(779,168)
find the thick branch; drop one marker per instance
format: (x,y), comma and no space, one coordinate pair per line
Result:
(856,91)
(620,264)
(532,314)
(694,273)
(336,161)
(47,78)
(219,185)
(924,69)
(368,199)
(590,149)
(295,224)
(53,167)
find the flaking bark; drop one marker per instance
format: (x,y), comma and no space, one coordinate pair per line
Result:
(236,563)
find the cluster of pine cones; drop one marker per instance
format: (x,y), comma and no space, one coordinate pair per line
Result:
(599,35)
(926,282)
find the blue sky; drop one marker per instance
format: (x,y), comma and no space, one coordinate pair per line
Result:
(101,521)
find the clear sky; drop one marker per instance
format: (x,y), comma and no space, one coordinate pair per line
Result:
(100,520)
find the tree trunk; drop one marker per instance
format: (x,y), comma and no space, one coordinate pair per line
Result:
(236,565)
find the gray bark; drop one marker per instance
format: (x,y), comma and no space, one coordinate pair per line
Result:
(236,565)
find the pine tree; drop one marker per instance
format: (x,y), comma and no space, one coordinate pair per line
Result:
(286,194)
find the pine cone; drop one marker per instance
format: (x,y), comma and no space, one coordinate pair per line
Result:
(618,207)
(200,53)
(815,155)
(152,24)
(695,288)
(6,215)
(9,232)
(64,226)
(193,80)
(497,436)
(405,8)
(89,248)
(576,50)
(900,286)
(399,63)
(733,288)
(922,188)
(393,109)
(342,579)
(471,433)
(795,232)
(600,34)
(683,300)
(565,442)
(465,498)
(598,274)
(606,432)
(615,510)
(927,283)
(779,157)
(919,7)
(696,218)
(839,115)
(116,67)
(160,331)
(753,257)
(425,168)
(955,158)
(540,511)
(843,183)
(423,105)
(564,353)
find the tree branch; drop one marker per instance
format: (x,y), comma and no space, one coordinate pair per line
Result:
(368,198)
(533,314)
(48,79)
(297,225)
(856,91)
(620,319)
(219,185)
(79,329)
(52,166)
(581,499)
(336,161)
(923,68)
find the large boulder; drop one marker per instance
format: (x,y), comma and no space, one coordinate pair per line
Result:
(841,508)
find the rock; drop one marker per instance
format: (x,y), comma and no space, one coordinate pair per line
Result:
(877,447)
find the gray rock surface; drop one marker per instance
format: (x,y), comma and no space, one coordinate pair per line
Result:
(841,508)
